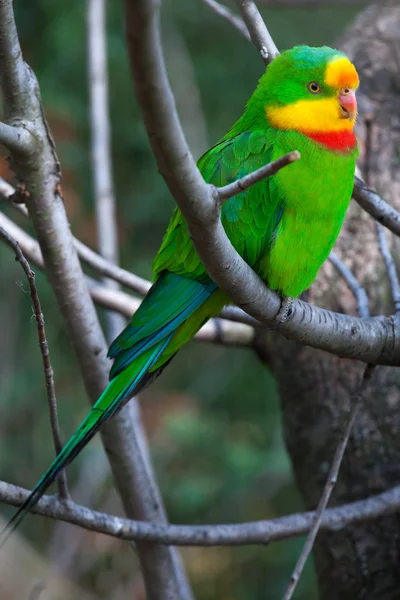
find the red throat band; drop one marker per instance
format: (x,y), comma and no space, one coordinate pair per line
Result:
(341,141)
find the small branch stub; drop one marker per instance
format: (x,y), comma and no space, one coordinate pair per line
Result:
(240,185)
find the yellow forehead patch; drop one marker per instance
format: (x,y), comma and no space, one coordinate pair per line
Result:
(341,73)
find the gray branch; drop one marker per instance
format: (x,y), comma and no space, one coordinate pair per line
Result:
(371,340)
(258,532)
(225,331)
(224,12)
(354,285)
(16,139)
(105,204)
(355,404)
(258,31)
(390,265)
(40,173)
(374,205)
(44,350)
(240,185)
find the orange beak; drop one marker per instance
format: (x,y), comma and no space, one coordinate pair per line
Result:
(348,104)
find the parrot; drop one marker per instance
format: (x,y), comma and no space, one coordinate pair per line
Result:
(284,227)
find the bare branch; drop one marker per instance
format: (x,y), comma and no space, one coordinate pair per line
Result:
(371,340)
(44,350)
(240,185)
(228,15)
(90,257)
(330,482)
(104,267)
(133,476)
(258,532)
(101,155)
(376,206)
(216,331)
(390,266)
(355,286)
(16,139)
(259,33)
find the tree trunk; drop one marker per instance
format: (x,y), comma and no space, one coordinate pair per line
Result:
(362,561)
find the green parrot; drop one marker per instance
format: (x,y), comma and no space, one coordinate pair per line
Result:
(283,227)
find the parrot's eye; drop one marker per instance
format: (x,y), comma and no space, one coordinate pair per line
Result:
(314,87)
(345,91)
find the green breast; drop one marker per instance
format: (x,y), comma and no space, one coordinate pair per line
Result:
(316,192)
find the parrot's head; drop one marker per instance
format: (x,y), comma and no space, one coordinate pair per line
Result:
(311,90)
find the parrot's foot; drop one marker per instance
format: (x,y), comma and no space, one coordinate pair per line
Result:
(284,311)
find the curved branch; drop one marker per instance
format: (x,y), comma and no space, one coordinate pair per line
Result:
(16,139)
(256,532)
(259,33)
(355,286)
(376,206)
(228,15)
(122,436)
(44,350)
(390,266)
(216,331)
(372,340)
(105,202)
(317,327)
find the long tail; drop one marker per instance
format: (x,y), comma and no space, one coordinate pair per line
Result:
(121,388)
(174,309)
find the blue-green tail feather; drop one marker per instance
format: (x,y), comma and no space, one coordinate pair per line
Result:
(171,300)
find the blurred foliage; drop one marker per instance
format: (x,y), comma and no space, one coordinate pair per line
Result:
(213,417)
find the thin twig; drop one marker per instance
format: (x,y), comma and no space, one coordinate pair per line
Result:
(354,285)
(228,15)
(355,404)
(258,31)
(240,185)
(44,349)
(390,266)
(100,149)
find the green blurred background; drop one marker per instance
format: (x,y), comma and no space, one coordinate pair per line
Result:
(213,417)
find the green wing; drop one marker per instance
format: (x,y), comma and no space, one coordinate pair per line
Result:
(249,218)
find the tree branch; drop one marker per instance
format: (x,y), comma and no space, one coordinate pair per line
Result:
(100,149)
(240,185)
(224,12)
(41,176)
(216,331)
(390,266)
(371,340)
(257,532)
(354,285)
(44,350)
(16,139)
(258,31)
(330,482)
(374,205)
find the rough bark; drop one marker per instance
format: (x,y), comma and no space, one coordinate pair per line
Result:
(362,561)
